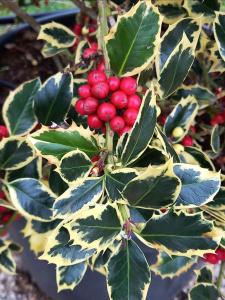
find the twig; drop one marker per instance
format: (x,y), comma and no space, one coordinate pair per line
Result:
(220,276)
(88,11)
(14,7)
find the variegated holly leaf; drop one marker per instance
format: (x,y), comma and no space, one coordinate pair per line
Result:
(57,35)
(128,273)
(31,198)
(53,144)
(172,38)
(166,145)
(56,183)
(171,266)
(204,275)
(74,165)
(199,186)
(15,153)
(31,170)
(215,140)
(99,260)
(186,235)
(131,44)
(206,9)
(178,64)
(96,228)
(48,50)
(116,180)
(38,232)
(182,116)
(48,105)
(62,251)
(80,195)
(172,12)
(203,95)
(68,277)
(204,291)
(218,202)
(142,131)
(219,32)
(151,156)
(155,188)
(18,109)
(196,156)
(7,262)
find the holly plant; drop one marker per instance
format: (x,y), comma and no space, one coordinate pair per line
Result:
(112,154)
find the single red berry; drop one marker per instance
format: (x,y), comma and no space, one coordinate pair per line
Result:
(90,105)
(96,76)
(79,107)
(187,141)
(134,101)
(193,129)
(3,210)
(94,45)
(163,119)
(117,124)
(84,91)
(221,253)
(211,258)
(114,83)
(124,130)
(163,210)
(6,217)
(130,116)
(77,29)
(94,122)
(89,52)
(91,28)
(95,158)
(106,111)
(128,85)
(100,90)
(101,66)
(119,99)
(218,119)
(3,132)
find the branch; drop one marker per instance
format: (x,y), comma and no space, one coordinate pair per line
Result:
(12,6)
(88,11)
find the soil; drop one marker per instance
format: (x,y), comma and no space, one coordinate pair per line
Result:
(21,60)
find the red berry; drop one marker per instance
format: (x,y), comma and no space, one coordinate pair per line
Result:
(95,158)
(84,91)
(163,119)
(89,52)
(96,76)
(211,258)
(119,99)
(101,66)
(100,90)
(130,116)
(114,83)
(134,101)
(91,28)
(124,130)
(106,111)
(94,45)
(128,85)
(3,132)
(94,122)
(187,141)
(90,105)
(6,217)
(117,124)
(79,107)
(77,29)
(3,209)
(218,119)
(221,253)
(193,129)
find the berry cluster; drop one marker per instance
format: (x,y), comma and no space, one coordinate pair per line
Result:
(215,258)
(111,99)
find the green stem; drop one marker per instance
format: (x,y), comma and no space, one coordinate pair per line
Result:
(109,143)
(103,25)
(221,275)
